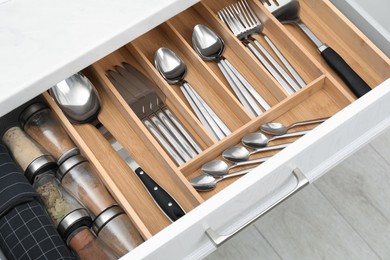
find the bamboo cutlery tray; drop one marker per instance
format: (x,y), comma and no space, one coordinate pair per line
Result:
(324,95)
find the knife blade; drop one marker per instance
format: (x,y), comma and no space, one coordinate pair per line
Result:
(167,204)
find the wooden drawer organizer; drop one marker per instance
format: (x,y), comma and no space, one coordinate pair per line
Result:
(323,96)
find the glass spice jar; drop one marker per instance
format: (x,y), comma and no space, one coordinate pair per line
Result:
(80,178)
(41,124)
(87,246)
(115,228)
(61,206)
(29,155)
(111,225)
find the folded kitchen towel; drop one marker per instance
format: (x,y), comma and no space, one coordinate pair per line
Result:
(26,230)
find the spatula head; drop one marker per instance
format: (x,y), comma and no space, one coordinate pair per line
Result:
(284,10)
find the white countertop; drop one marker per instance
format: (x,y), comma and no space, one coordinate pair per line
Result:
(45,41)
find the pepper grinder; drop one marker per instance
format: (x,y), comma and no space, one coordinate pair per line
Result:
(111,225)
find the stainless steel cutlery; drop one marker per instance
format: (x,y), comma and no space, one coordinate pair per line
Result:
(244,23)
(140,93)
(287,11)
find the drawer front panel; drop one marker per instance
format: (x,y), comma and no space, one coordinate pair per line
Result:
(313,154)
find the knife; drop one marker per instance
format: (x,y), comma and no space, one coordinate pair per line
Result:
(167,204)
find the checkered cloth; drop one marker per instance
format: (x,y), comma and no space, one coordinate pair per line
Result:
(26,231)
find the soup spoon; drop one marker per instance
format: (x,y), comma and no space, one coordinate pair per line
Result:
(275,128)
(210,47)
(173,70)
(257,140)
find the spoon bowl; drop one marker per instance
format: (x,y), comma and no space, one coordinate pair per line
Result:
(275,128)
(170,66)
(206,182)
(259,140)
(207,44)
(236,154)
(77,98)
(219,168)
(241,153)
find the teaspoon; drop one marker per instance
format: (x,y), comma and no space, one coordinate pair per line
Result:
(205,182)
(257,140)
(218,168)
(241,153)
(275,128)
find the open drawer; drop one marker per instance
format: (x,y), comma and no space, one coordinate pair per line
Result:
(235,201)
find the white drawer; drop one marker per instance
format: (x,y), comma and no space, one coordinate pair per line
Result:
(314,154)
(233,206)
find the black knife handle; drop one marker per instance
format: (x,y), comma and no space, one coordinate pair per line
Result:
(355,83)
(162,198)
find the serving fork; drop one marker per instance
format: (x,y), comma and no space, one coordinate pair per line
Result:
(243,23)
(287,11)
(153,112)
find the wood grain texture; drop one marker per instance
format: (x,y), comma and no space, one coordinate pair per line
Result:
(307,226)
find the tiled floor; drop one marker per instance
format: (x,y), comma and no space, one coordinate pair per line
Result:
(344,215)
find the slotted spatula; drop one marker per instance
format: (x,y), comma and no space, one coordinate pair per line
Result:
(287,11)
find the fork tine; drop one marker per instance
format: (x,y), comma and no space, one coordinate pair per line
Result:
(227,19)
(245,15)
(250,12)
(235,18)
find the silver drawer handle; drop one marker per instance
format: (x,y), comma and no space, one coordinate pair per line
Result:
(218,239)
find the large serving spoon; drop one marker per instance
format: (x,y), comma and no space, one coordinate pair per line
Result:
(79,101)
(218,168)
(206,182)
(257,140)
(173,70)
(275,128)
(241,153)
(210,47)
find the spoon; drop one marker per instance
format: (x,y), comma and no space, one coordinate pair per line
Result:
(173,70)
(205,182)
(76,96)
(257,140)
(241,153)
(275,128)
(210,46)
(218,168)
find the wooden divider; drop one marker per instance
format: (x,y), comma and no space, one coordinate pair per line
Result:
(323,96)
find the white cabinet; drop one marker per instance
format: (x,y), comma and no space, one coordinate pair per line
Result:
(44,42)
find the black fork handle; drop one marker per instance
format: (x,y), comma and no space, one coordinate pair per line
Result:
(355,83)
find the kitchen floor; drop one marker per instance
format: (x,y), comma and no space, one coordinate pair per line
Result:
(343,215)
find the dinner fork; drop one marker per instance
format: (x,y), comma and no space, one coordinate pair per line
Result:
(287,11)
(252,22)
(234,18)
